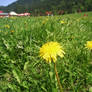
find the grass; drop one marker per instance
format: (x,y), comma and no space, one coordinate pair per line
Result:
(22,69)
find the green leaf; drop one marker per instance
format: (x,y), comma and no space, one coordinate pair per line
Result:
(26,65)
(90,89)
(15,74)
(54,90)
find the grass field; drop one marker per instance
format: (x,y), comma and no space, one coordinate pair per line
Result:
(23,70)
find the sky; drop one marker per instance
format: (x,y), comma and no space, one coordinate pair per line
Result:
(6,2)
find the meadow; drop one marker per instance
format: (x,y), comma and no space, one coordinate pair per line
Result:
(23,70)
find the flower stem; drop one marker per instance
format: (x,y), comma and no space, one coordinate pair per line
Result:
(58,79)
(91,55)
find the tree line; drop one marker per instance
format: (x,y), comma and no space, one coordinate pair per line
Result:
(40,7)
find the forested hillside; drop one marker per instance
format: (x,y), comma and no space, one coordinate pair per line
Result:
(41,6)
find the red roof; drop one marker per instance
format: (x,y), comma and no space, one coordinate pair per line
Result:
(1,11)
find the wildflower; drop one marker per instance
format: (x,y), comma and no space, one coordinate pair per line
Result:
(50,50)
(84,15)
(89,45)
(12,31)
(62,22)
(44,22)
(7,26)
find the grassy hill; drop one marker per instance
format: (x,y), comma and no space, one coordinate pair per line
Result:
(23,70)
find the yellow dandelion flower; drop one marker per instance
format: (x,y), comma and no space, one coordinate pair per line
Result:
(12,31)
(62,22)
(43,22)
(7,26)
(46,19)
(49,51)
(89,45)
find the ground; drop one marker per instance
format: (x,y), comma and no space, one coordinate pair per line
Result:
(23,70)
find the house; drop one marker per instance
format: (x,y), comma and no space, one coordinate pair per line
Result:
(12,13)
(4,14)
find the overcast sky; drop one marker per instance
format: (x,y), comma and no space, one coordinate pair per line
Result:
(6,2)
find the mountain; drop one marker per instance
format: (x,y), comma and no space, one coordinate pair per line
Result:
(41,6)
(24,5)
(2,8)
